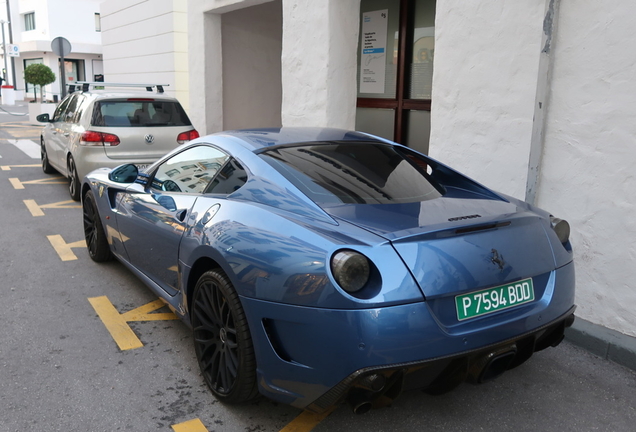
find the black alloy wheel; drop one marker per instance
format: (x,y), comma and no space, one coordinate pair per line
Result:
(222,340)
(96,241)
(73,180)
(46,166)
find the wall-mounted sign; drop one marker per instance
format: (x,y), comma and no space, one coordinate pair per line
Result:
(13,50)
(373,55)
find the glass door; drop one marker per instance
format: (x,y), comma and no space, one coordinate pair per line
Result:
(395,70)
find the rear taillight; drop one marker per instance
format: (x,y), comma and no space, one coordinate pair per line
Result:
(92,138)
(184,137)
(561,227)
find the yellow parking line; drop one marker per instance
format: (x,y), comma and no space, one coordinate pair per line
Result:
(115,324)
(8,167)
(17,184)
(63,249)
(142,313)
(306,421)
(190,426)
(303,423)
(33,208)
(36,210)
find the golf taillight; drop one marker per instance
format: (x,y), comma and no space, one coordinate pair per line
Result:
(92,138)
(184,137)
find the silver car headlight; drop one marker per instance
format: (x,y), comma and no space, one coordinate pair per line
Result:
(351,270)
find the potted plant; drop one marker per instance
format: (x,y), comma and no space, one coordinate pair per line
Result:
(40,75)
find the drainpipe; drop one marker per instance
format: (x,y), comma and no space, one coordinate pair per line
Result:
(537,140)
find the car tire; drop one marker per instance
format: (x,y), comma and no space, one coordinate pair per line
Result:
(96,240)
(73,180)
(46,166)
(222,339)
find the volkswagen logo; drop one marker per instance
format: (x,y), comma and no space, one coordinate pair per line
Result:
(149,138)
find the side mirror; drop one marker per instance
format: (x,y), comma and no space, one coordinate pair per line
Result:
(43,118)
(124,173)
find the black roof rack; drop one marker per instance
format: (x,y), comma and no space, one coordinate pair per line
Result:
(86,86)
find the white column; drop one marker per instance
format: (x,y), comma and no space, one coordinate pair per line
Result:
(320,39)
(205,69)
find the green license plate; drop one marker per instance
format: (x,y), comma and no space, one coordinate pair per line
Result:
(494,299)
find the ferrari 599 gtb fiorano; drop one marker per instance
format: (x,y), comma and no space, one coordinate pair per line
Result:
(317,266)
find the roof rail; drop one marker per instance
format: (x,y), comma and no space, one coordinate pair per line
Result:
(86,86)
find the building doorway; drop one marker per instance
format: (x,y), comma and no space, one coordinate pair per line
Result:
(73,71)
(252,46)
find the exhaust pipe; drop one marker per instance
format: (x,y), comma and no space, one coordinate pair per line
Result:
(360,402)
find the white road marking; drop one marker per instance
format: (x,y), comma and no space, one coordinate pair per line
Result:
(27,146)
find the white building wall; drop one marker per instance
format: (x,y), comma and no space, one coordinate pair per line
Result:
(484,85)
(145,41)
(590,154)
(485,80)
(71,19)
(75,20)
(486,76)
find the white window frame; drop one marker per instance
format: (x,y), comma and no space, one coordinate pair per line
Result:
(29,21)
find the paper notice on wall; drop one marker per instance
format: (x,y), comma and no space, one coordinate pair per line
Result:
(373,55)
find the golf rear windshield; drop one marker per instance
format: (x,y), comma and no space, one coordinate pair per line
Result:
(352,173)
(138,113)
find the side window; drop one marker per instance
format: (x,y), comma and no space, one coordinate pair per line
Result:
(230,178)
(71,110)
(189,171)
(81,106)
(61,109)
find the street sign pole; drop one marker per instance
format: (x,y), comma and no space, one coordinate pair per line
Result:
(62,47)
(62,68)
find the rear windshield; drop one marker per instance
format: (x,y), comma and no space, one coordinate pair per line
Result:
(134,113)
(355,173)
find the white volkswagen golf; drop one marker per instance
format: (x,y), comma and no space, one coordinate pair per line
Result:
(109,126)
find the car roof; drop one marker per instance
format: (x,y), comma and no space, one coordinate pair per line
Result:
(258,139)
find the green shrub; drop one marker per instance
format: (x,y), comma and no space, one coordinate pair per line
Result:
(38,74)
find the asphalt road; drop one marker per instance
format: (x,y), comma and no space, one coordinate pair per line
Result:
(61,370)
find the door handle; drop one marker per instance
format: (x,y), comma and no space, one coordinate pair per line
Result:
(66,134)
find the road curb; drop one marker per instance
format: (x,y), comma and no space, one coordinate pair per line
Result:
(606,343)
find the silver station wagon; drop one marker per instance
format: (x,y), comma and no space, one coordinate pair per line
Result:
(109,126)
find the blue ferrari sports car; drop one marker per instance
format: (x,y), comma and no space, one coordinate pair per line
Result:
(321,266)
